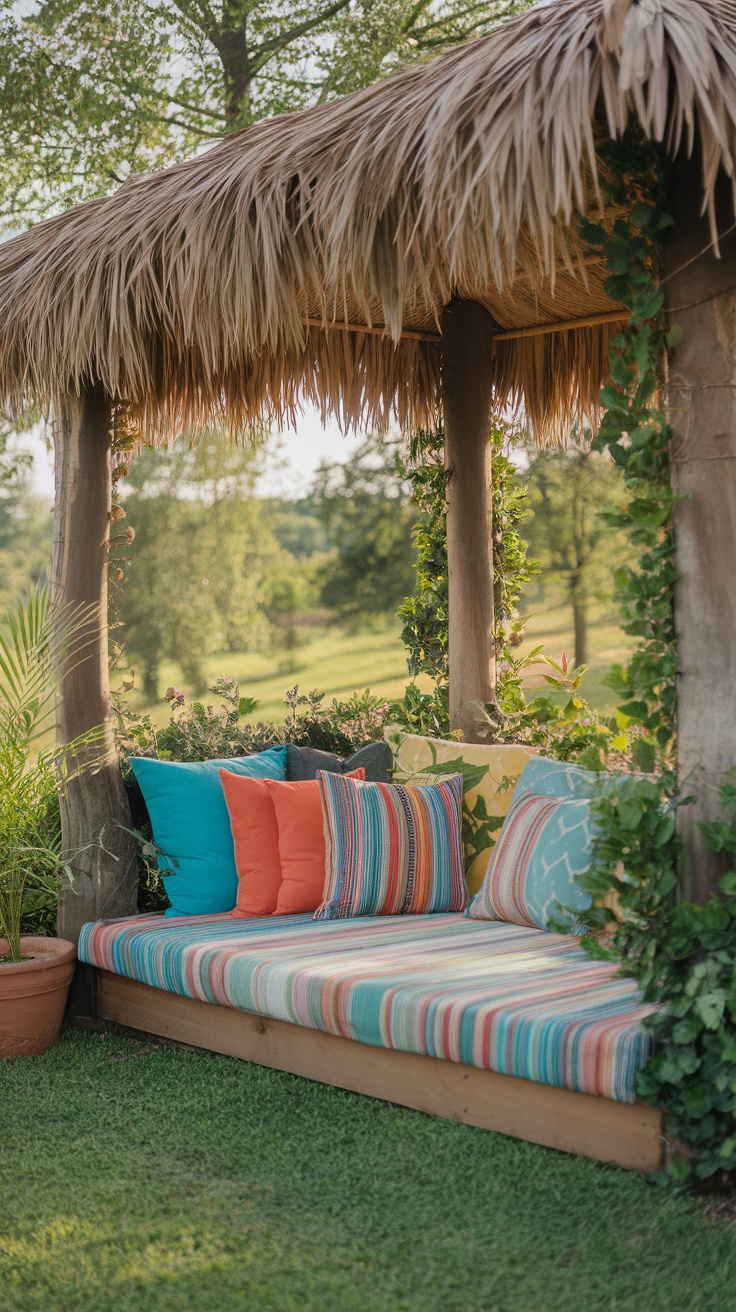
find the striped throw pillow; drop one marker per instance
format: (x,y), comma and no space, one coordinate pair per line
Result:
(391,849)
(544,843)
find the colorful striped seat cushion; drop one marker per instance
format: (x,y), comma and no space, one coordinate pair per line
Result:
(391,849)
(500,997)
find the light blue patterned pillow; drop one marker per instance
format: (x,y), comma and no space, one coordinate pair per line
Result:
(544,843)
(556,779)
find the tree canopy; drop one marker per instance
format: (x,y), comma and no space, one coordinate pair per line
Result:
(93,91)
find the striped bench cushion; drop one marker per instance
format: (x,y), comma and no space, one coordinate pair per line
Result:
(501,997)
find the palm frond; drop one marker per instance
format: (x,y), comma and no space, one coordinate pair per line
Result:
(39,645)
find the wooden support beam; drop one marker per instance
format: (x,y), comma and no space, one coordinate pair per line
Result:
(701,298)
(507,335)
(371,329)
(561,326)
(467,337)
(93,802)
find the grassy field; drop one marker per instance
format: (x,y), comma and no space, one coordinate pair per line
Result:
(339,663)
(153,1179)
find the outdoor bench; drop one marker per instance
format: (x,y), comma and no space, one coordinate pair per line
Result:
(493,1024)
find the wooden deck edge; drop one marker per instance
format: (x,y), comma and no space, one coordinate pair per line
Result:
(628,1135)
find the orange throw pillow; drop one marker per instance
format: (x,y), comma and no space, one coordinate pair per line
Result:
(256,814)
(301,839)
(256,840)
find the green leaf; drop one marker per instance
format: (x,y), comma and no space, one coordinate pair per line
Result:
(247,705)
(641,215)
(644,754)
(630,812)
(635,710)
(685,1031)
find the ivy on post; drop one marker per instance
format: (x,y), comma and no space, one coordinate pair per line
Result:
(636,432)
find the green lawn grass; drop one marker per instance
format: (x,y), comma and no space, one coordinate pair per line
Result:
(338,663)
(153,1179)
(327,659)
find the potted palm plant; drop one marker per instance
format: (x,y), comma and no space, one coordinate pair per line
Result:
(35,969)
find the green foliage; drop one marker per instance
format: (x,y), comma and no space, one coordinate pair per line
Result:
(682,956)
(33,645)
(364,508)
(425,713)
(91,93)
(561,723)
(202,571)
(341,726)
(425,611)
(199,732)
(635,431)
(571,538)
(25,521)
(195,732)
(512,567)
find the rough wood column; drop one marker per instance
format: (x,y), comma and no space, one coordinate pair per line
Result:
(93,804)
(702,389)
(466,401)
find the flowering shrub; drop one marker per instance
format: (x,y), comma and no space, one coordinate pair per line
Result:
(198,732)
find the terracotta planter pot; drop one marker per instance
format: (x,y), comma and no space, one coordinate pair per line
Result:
(33,995)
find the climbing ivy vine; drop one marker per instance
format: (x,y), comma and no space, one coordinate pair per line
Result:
(682,955)
(635,431)
(426,612)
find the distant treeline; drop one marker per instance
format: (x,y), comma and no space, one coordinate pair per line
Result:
(201,563)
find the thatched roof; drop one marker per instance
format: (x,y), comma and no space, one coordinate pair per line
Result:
(188,293)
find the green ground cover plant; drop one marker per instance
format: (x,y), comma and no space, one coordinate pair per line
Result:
(682,956)
(241,1187)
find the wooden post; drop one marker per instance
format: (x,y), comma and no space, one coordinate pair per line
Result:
(467,334)
(701,298)
(93,802)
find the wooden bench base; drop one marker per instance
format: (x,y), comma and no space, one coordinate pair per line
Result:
(627,1135)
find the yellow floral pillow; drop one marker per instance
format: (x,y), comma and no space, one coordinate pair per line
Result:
(490,774)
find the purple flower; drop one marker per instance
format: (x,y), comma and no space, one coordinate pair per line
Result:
(173,695)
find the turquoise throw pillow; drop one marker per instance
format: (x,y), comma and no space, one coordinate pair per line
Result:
(191,826)
(545,842)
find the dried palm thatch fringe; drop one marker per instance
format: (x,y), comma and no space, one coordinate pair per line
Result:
(185,293)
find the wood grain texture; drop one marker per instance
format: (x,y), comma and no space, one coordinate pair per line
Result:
(626,1135)
(701,298)
(94,806)
(467,384)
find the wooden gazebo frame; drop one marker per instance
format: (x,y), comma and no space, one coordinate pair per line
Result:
(405,249)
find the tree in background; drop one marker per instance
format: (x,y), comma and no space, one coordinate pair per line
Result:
(568,493)
(94,90)
(25,522)
(366,511)
(198,561)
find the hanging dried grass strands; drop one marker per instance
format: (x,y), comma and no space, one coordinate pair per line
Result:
(184,294)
